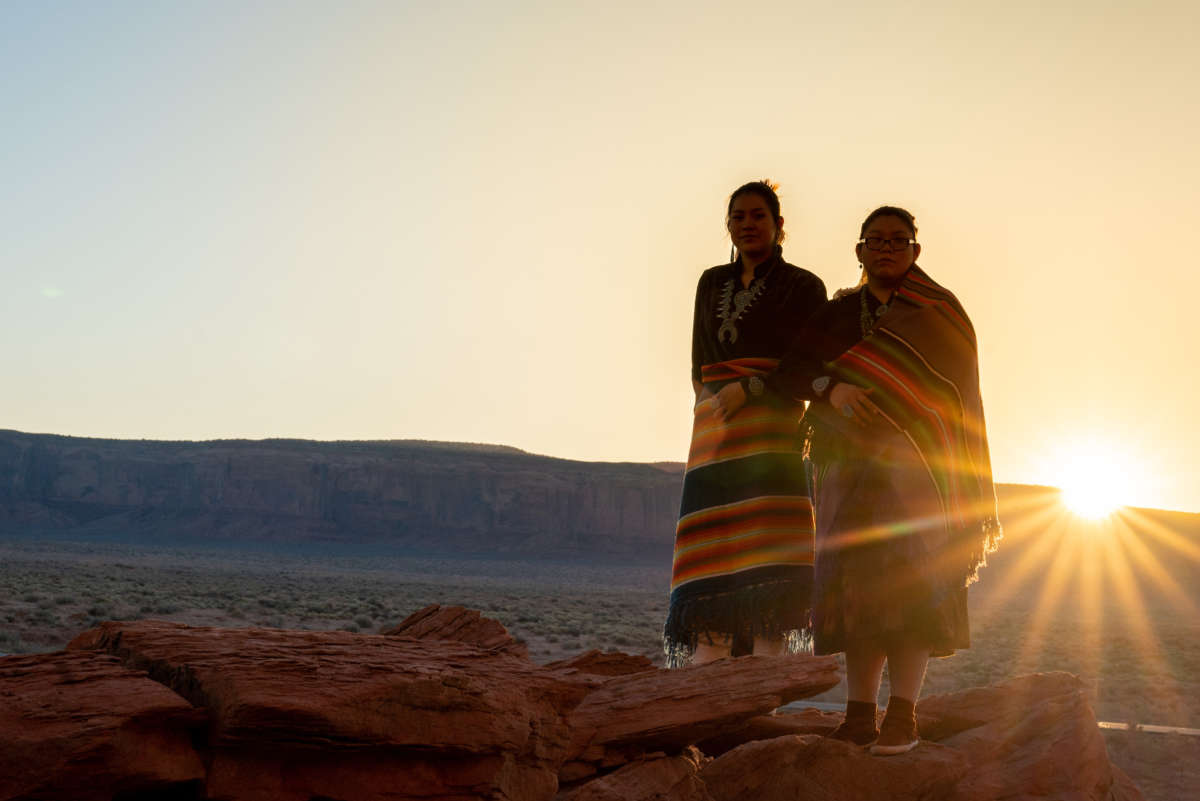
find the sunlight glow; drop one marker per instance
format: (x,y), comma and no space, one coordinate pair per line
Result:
(1093,478)
(1082,576)
(1089,502)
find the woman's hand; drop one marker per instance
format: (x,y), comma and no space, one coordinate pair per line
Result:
(853,402)
(729,400)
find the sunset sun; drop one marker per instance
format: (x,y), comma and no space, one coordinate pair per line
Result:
(1087,500)
(1093,479)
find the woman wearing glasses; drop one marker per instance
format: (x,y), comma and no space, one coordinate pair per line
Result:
(905,507)
(742,573)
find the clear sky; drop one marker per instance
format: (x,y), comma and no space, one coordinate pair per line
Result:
(484,221)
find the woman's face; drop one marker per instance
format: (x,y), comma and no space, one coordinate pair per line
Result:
(751,226)
(890,262)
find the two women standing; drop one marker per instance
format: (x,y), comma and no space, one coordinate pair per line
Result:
(904,502)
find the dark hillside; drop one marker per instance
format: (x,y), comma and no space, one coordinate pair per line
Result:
(408,495)
(405,496)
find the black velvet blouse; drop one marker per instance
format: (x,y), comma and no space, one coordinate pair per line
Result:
(828,333)
(767,326)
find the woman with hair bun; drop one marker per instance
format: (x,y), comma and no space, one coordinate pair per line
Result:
(906,509)
(742,572)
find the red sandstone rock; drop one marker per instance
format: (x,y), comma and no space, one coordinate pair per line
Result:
(297,714)
(597,663)
(457,623)
(1039,740)
(941,716)
(661,779)
(81,727)
(766,727)
(817,768)
(1033,738)
(1123,788)
(289,703)
(670,709)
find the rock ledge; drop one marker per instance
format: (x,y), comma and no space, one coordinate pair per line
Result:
(446,707)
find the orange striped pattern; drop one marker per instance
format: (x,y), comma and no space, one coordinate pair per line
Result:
(753,430)
(757,532)
(921,290)
(756,428)
(737,368)
(921,361)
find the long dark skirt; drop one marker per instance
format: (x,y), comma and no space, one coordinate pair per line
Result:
(883,572)
(744,542)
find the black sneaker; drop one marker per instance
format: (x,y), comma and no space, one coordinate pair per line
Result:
(859,731)
(897,735)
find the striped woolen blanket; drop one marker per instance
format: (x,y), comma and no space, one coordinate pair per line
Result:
(744,541)
(921,360)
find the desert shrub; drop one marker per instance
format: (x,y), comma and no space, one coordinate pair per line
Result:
(165,609)
(32,598)
(363,622)
(43,618)
(63,600)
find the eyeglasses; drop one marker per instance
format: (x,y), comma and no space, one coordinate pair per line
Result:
(877,243)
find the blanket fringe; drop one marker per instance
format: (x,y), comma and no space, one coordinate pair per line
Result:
(765,610)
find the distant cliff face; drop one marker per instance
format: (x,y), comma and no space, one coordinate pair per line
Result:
(424,497)
(415,495)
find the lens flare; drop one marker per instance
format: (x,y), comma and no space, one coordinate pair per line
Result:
(1094,478)
(1088,501)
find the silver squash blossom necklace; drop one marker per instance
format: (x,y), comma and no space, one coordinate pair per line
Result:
(866,321)
(741,300)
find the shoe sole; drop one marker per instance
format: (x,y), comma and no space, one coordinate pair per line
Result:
(892,750)
(855,743)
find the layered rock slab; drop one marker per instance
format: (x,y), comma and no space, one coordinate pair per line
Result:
(1032,738)
(297,714)
(333,715)
(600,663)
(660,778)
(82,726)
(670,709)
(815,768)
(766,727)
(459,624)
